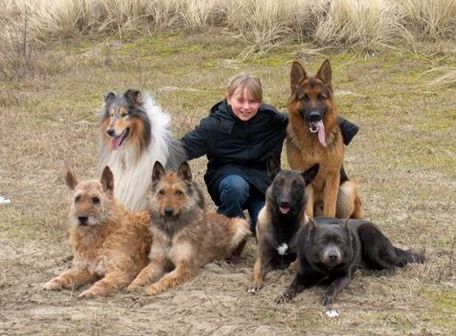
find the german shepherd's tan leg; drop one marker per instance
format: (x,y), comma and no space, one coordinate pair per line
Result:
(310,201)
(150,273)
(111,283)
(331,190)
(69,279)
(348,201)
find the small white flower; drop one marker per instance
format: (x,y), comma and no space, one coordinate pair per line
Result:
(332,313)
(282,248)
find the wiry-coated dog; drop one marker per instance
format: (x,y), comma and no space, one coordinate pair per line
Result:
(331,249)
(135,132)
(108,241)
(314,136)
(186,236)
(280,219)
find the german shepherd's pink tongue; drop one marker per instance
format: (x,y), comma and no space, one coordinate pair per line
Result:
(284,210)
(115,142)
(318,127)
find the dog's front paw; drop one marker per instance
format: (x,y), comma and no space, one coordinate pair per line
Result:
(327,299)
(133,288)
(54,284)
(284,298)
(255,289)
(153,290)
(87,294)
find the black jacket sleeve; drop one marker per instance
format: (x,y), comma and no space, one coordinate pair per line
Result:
(349,129)
(197,142)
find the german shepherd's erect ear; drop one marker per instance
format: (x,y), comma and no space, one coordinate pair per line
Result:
(298,75)
(71,180)
(184,172)
(158,171)
(325,73)
(107,180)
(310,173)
(273,167)
(134,97)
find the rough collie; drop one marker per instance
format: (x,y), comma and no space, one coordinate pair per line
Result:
(135,132)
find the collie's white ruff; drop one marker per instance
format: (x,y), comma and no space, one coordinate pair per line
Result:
(131,168)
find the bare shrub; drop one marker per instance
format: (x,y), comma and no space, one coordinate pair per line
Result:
(358,24)
(429,19)
(263,24)
(14,49)
(259,24)
(199,14)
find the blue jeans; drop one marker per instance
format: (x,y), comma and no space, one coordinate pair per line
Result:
(236,194)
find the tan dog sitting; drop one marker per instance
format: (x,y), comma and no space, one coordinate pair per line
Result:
(108,241)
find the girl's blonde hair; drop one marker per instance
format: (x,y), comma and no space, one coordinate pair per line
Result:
(249,82)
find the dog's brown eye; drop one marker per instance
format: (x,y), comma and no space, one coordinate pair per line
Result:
(123,115)
(161,192)
(178,193)
(95,200)
(305,97)
(321,97)
(77,198)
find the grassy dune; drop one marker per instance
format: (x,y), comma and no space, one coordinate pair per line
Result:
(403,97)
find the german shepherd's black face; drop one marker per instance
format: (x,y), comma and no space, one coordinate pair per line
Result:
(314,94)
(330,246)
(287,191)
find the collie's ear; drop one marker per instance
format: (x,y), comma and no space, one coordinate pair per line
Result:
(107,180)
(273,167)
(324,73)
(71,180)
(158,171)
(184,172)
(109,97)
(298,75)
(310,173)
(134,97)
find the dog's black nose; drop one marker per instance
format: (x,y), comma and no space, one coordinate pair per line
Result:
(169,212)
(111,132)
(314,116)
(333,257)
(83,220)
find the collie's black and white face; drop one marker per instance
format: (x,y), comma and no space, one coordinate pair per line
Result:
(125,121)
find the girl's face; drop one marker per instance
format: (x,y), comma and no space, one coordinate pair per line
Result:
(244,106)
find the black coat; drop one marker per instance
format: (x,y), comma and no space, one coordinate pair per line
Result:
(235,147)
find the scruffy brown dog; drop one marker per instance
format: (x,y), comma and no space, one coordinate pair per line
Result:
(108,241)
(186,235)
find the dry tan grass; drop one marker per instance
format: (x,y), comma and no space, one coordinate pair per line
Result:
(259,24)
(403,159)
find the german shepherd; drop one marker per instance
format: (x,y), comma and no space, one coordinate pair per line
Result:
(135,132)
(314,136)
(186,235)
(280,219)
(331,249)
(108,241)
